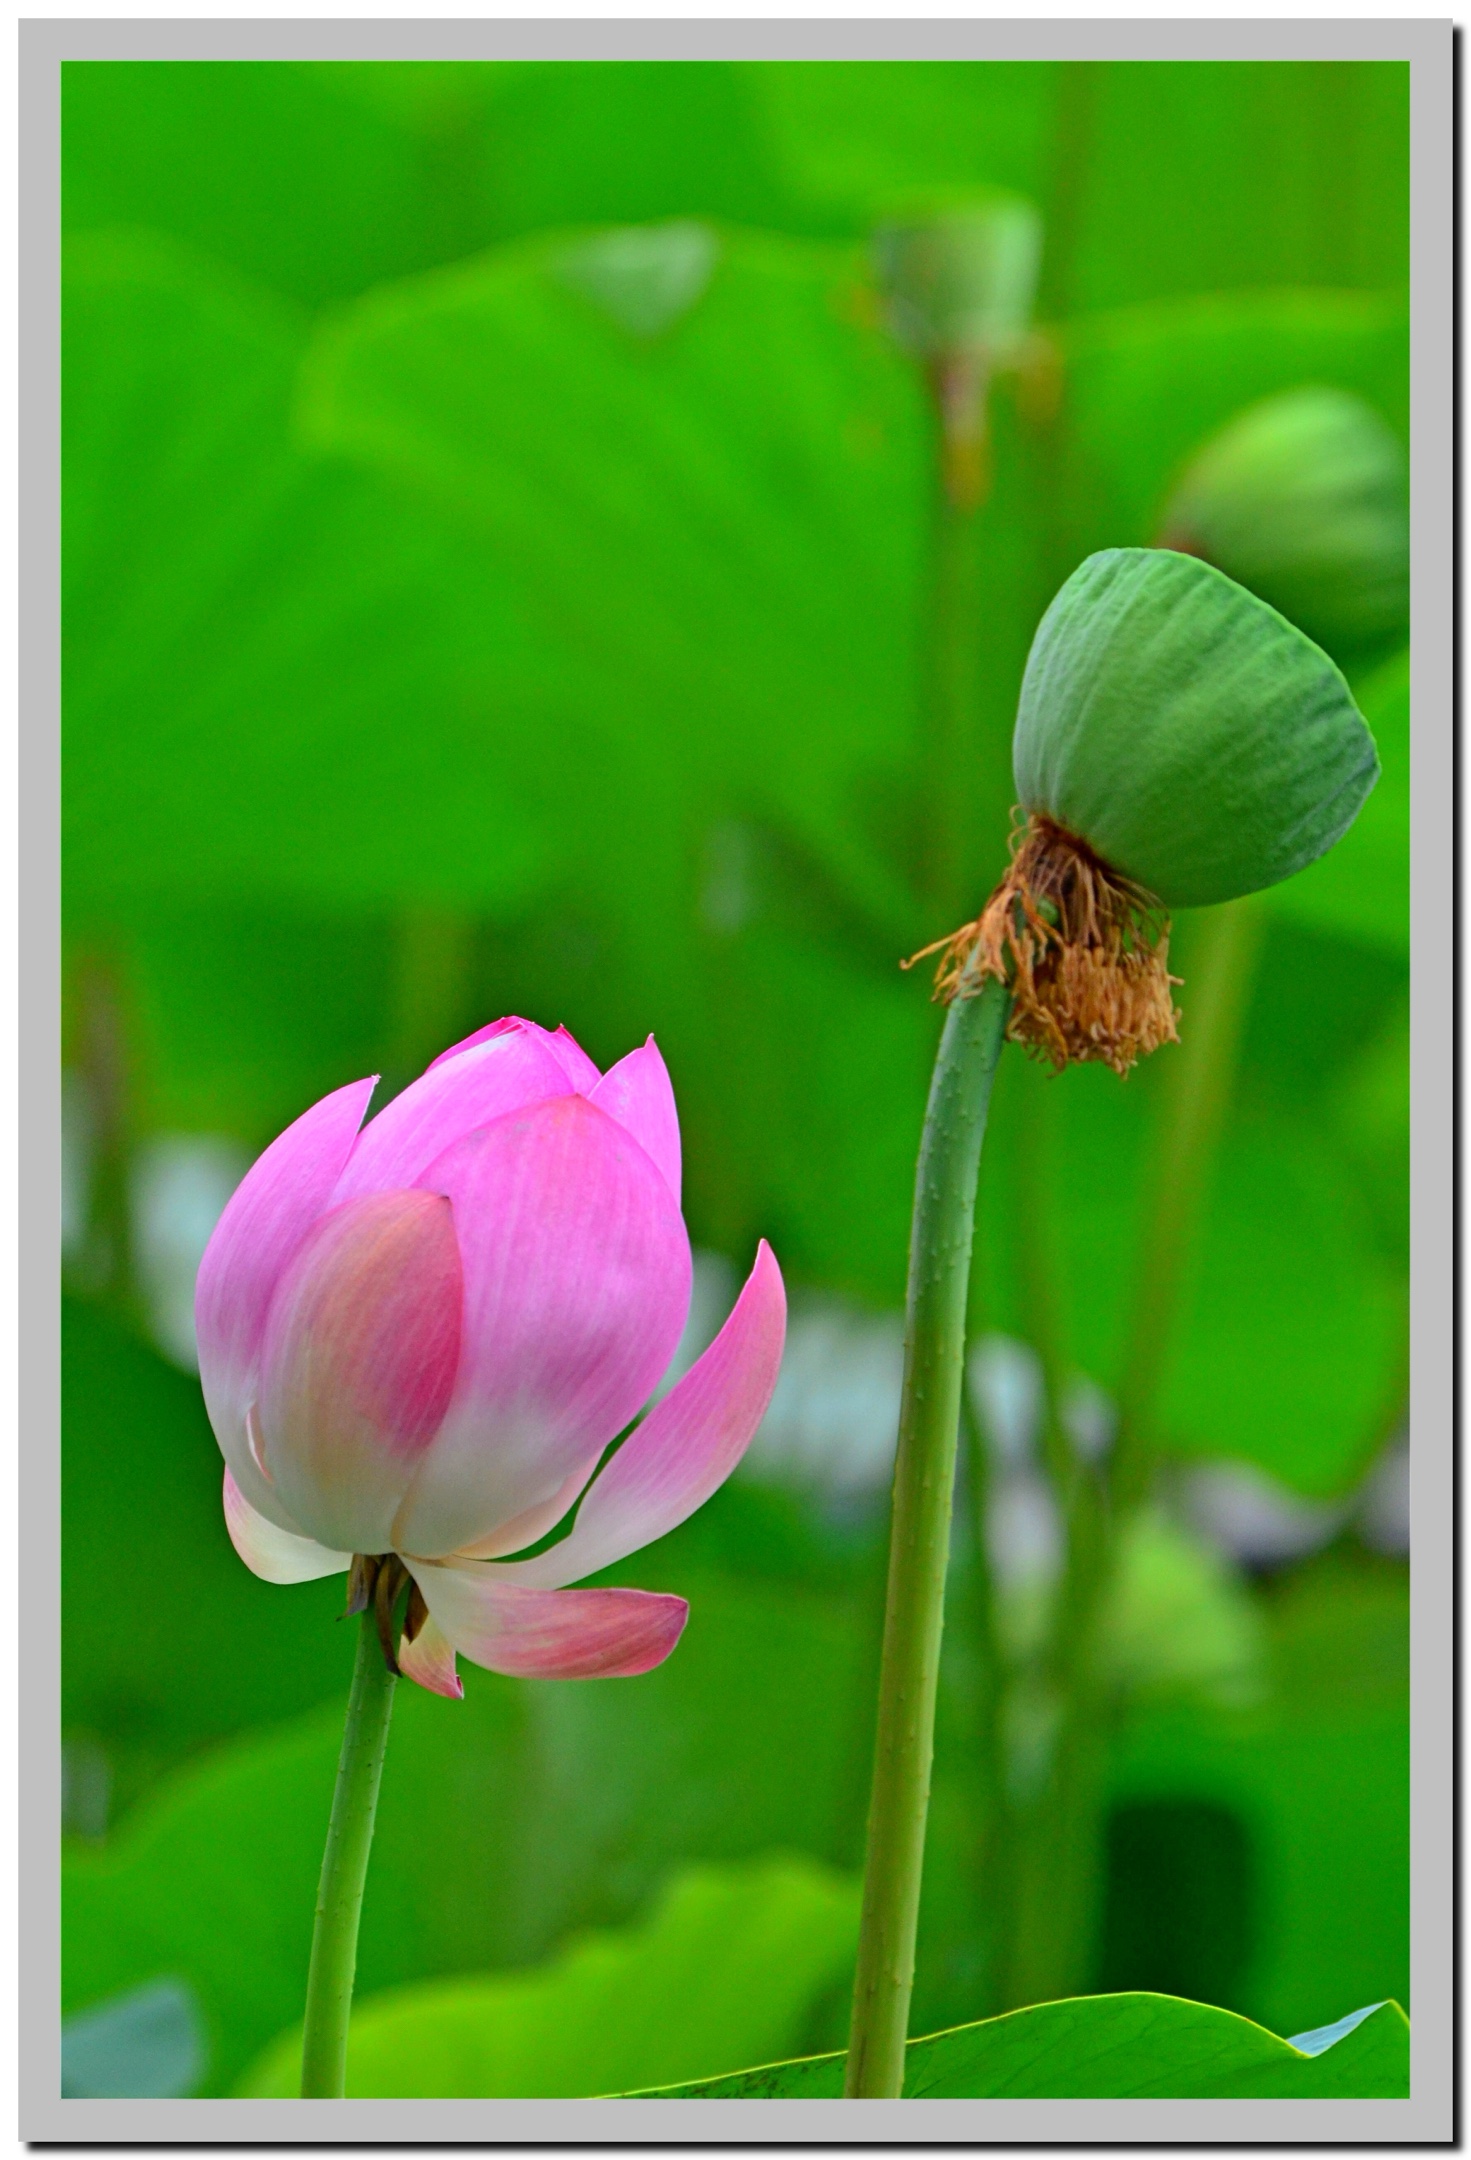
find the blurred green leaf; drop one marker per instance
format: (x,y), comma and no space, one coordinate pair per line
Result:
(1289,1352)
(167,1641)
(746,487)
(263,689)
(725,1967)
(285,170)
(1109,2047)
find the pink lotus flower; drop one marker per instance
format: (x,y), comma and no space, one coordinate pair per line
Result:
(418,1339)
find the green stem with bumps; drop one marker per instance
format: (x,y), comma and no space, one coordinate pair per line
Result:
(919,1547)
(344,1870)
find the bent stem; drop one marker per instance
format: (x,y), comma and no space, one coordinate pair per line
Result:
(924,1478)
(344,1870)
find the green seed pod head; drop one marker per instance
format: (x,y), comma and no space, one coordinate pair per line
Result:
(1304,498)
(1197,741)
(961,277)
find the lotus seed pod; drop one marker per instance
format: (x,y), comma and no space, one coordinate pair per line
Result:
(1177,743)
(961,279)
(1200,744)
(1304,499)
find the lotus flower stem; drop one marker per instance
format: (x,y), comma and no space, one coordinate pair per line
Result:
(344,1870)
(924,1478)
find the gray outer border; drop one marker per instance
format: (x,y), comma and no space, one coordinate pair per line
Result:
(1427,2117)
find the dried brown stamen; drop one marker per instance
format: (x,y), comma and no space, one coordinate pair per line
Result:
(1084,950)
(377,1580)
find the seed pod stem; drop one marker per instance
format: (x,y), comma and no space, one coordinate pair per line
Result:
(924,1477)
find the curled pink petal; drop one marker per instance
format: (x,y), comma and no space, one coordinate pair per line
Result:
(276,1555)
(506,1072)
(430,1661)
(259,1233)
(549,1634)
(359,1362)
(577,1283)
(687,1445)
(637,1092)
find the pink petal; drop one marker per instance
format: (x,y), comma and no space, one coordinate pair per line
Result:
(687,1445)
(504,1073)
(269,1214)
(576,1063)
(637,1092)
(277,1556)
(507,1026)
(570,1055)
(577,1282)
(430,1660)
(549,1634)
(359,1363)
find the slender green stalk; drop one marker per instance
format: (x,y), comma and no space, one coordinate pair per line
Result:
(919,1547)
(949,747)
(1222,965)
(344,1869)
(1058,1858)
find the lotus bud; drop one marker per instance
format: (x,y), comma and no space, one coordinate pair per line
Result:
(1304,499)
(1178,743)
(418,1338)
(958,286)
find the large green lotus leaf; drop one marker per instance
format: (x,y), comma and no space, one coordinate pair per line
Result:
(283,169)
(1110,2047)
(855,139)
(1290,1345)
(727,1965)
(1361,888)
(241,1015)
(723,522)
(1191,735)
(207,1648)
(265,682)
(1316,1774)
(579,142)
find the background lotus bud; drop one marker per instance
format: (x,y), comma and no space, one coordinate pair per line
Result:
(1178,743)
(961,278)
(418,1339)
(1305,499)
(958,283)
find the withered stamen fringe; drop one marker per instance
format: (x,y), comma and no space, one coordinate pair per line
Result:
(1084,950)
